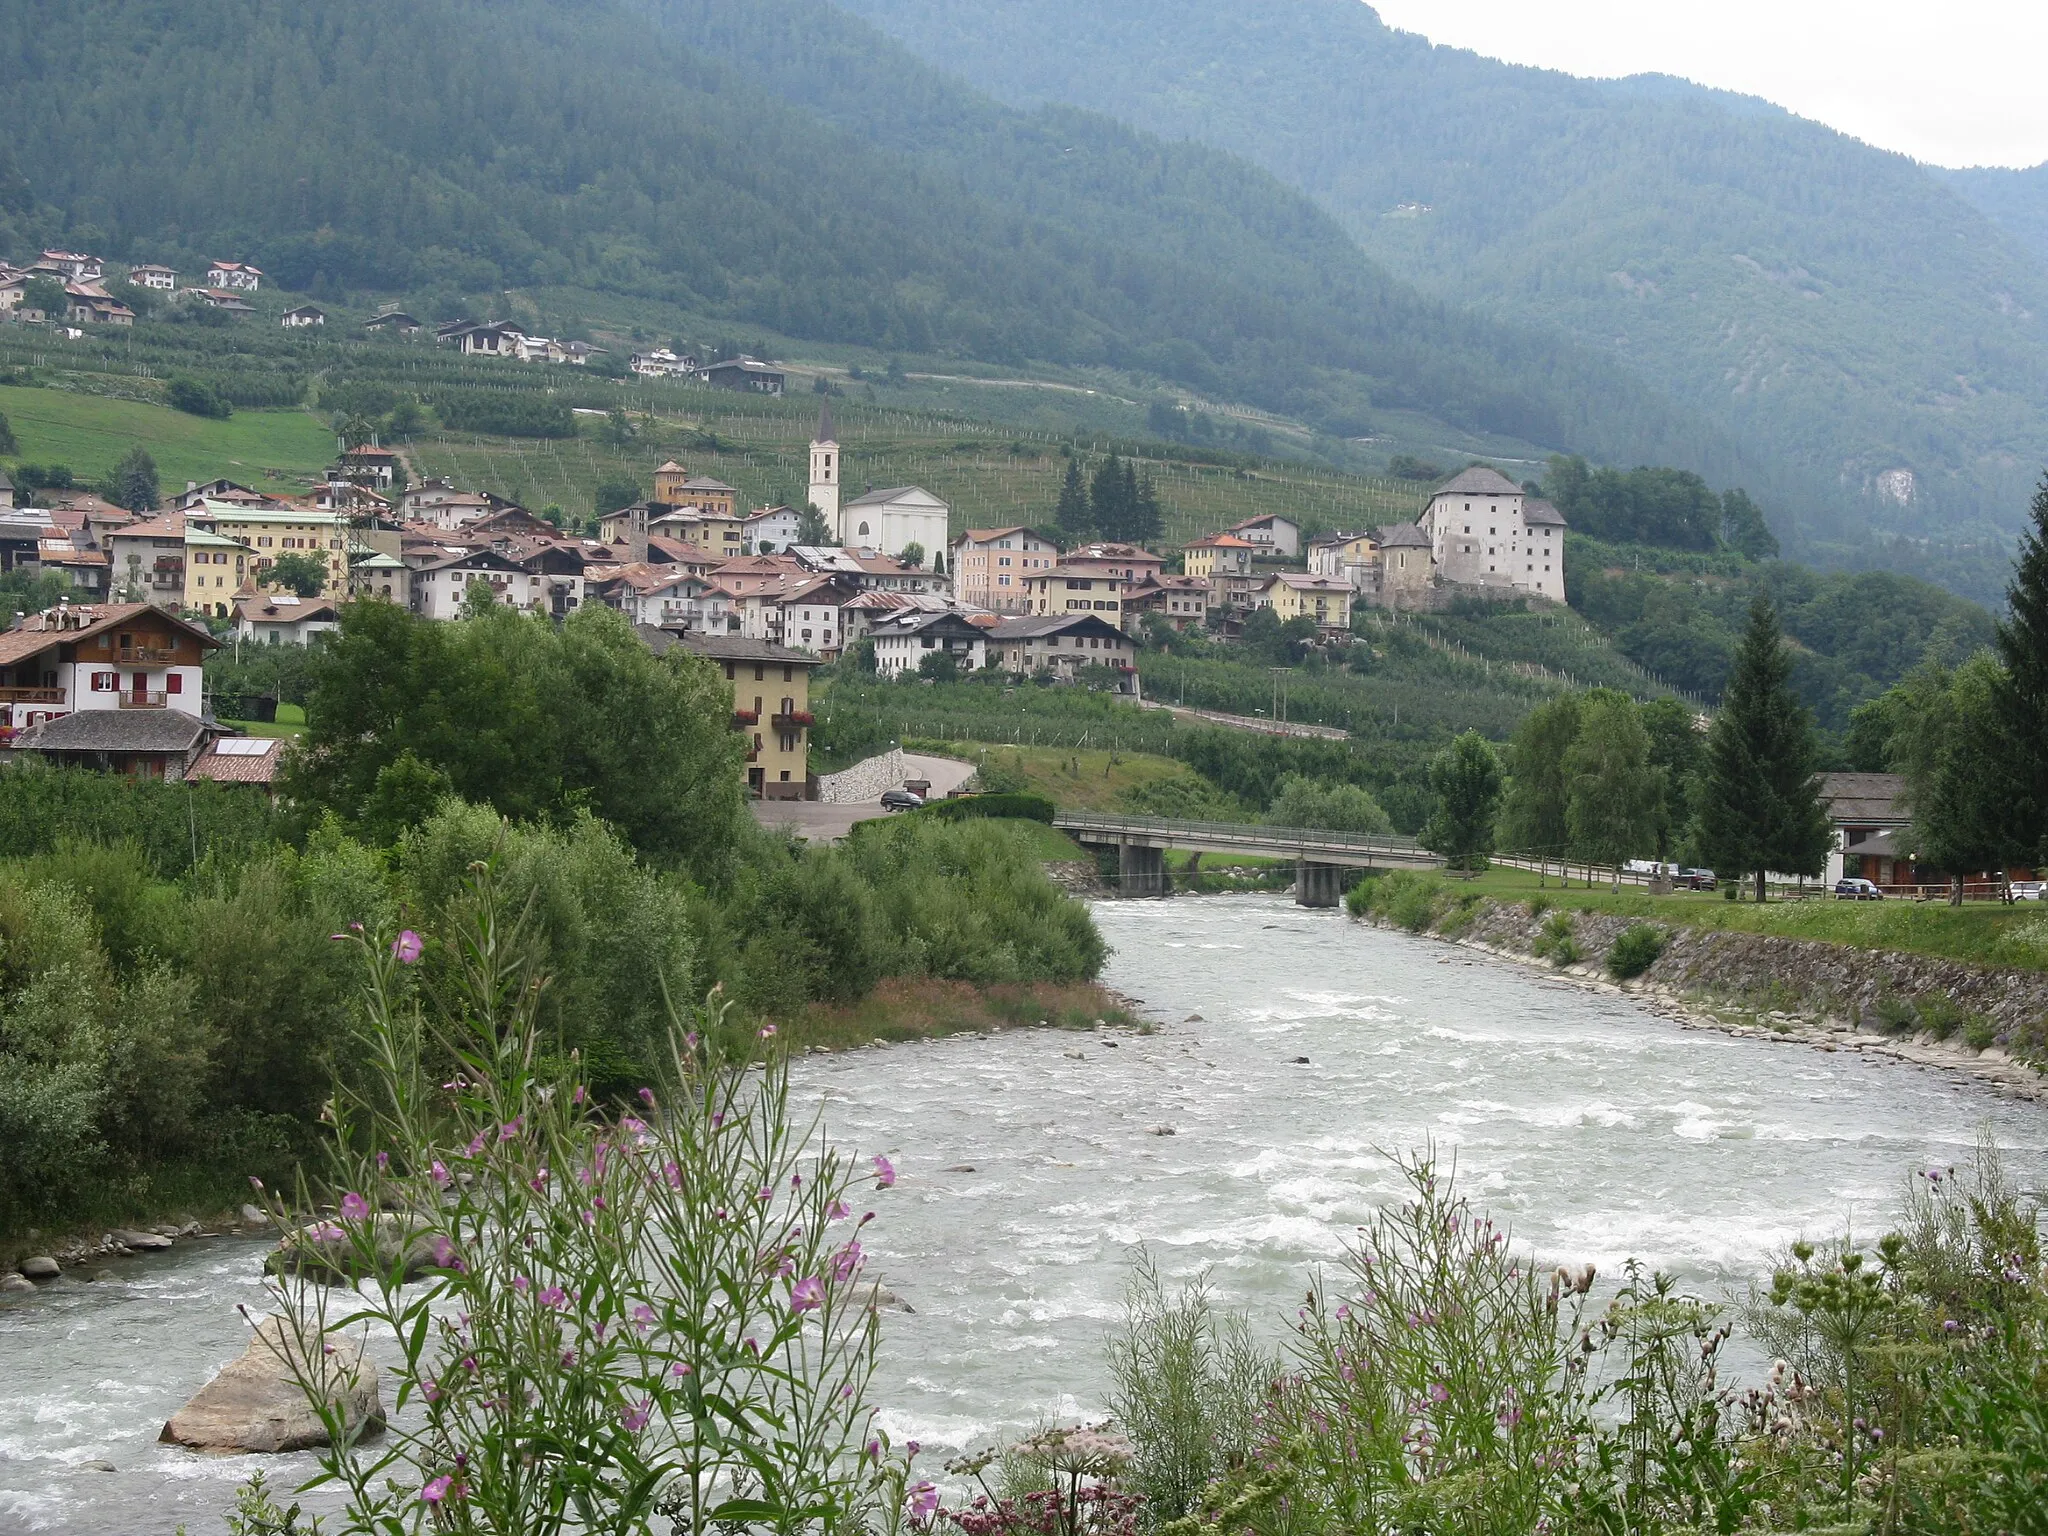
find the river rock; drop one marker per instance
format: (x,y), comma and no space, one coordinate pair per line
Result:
(886,1300)
(255,1216)
(13,1282)
(41,1267)
(97,1466)
(257,1404)
(141,1242)
(320,1251)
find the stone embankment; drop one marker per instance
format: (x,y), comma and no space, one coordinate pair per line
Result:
(32,1269)
(1964,1018)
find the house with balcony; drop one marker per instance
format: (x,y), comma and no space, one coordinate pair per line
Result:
(1297,595)
(771,708)
(284,618)
(146,561)
(106,660)
(151,274)
(234,274)
(903,641)
(1064,644)
(1182,601)
(1224,561)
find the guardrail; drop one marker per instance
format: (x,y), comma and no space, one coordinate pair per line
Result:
(1249,836)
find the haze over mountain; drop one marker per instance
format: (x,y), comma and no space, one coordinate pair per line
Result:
(768,161)
(1849,314)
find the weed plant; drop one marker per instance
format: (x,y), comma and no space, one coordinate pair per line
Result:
(1635,951)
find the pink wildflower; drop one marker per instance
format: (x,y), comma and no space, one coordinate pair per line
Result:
(437,1490)
(635,1417)
(354,1207)
(647,1097)
(510,1128)
(440,1173)
(680,1368)
(673,1174)
(553,1296)
(807,1294)
(408,947)
(885,1173)
(431,1390)
(838,1211)
(643,1315)
(383,1162)
(924,1499)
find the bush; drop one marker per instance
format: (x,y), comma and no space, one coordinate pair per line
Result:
(1404,898)
(197,399)
(1635,951)
(503,415)
(1017,806)
(1557,941)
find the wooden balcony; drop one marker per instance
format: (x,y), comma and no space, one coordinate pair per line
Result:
(31,695)
(144,653)
(142,700)
(794,720)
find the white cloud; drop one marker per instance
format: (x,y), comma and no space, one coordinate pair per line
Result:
(1952,82)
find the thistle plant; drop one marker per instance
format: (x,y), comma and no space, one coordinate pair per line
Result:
(615,1312)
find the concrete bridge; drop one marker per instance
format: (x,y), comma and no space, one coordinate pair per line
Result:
(1320,858)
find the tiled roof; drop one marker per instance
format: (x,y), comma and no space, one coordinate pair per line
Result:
(1537,512)
(732,647)
(1479,481)
(1040,625)
(1403,536)
(115,730)
(1864,797)
(240,760)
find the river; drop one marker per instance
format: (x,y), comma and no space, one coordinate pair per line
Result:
(1599,1131)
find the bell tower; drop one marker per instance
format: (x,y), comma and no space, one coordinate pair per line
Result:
(825,468)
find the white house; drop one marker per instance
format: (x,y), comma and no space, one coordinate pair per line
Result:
(777,526)
(82,657)
(1486,531)
(1063,643)
(304,315)
(661,364)
(234,274)
(905,640)
(283,619)
(666,595)
(1273,534)
(892,520)
(149,274)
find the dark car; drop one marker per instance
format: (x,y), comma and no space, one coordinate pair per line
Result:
(1696,879)
(900,800)
(1857,890)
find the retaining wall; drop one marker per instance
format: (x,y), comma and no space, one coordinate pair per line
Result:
(865,780)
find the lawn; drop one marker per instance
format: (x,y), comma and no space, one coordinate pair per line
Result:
(1073,778)
(291,721)
(1981,933)
(265,450)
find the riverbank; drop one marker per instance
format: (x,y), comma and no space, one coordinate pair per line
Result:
(1980,1022)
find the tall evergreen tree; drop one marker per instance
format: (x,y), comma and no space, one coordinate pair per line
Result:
(132,483)
(1948,740)
(1072,512)
(2022,694)
(1760,804)
(1146,518)
(1109,499)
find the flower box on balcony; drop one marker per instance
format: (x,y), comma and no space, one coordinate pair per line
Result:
(794,720)
(742,718)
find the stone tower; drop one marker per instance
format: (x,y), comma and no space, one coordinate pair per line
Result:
(825,467)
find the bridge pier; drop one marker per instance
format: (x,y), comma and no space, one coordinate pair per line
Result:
(1318,885)
(1142,871)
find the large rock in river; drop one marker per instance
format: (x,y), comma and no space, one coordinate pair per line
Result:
(321,1251)
(257,1402)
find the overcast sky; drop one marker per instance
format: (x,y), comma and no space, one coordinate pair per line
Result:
(1952,82)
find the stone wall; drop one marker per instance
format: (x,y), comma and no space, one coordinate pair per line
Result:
(865,780)
(1827,981)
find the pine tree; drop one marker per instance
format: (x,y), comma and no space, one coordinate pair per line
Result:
(1146,518)
(1760,804)
(1072,511)
(1108,503)
(2022,696)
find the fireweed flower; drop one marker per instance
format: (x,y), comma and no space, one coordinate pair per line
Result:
(846,1261)
(1438,1392)
(838,1211)
(510,1128)
(440,1173)
(553,1296)
(431,1390)
(539,1182)
(635,1416)
(437,1490)
(521,1284)
(768,1032)
(673,1174)
(408,947)
(924,1499)
(807,1294)
(885,1173)
(354,1207)
(476,1147)
(647,1097)
(644,1315)
(326,1232)
(383,1162)
(680,1368)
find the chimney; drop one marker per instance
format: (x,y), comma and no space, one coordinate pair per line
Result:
(191,486)
(636,533)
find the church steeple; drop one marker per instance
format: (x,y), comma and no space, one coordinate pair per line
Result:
(825,469)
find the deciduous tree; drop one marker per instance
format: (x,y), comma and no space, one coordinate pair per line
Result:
(1536,815)
(1614,790)
(1465,778)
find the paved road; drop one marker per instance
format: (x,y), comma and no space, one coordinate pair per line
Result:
(829,823)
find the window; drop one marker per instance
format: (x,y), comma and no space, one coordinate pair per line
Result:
(760,672)
(789,673)
(106,682)
(174,683)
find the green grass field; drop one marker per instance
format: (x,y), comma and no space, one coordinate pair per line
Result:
(1072,778)
(1981,933)
(265,450)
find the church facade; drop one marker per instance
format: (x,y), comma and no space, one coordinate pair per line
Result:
(888,521)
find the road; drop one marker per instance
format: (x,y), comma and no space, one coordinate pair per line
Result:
(829,823)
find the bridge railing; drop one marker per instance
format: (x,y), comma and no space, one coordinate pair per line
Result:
(1253,838)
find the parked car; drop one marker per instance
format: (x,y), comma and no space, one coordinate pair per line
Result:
(1695,880)
(900,800)
(2029,890)
(1857,890)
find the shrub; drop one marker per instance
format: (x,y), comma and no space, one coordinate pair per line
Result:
(1895,1015)
(1017,806)
(1635,951)
(1557,941)
(1979,1032)
(657,1307)
(198,399)
(503,415)
(1537,905)
(1407,899)
(1939,1014)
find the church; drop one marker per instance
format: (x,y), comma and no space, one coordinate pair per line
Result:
(888,521)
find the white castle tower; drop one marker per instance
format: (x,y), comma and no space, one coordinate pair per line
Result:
(825,468)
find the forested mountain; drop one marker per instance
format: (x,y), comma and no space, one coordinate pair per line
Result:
(772,161)
(1843,310)
(2017,201)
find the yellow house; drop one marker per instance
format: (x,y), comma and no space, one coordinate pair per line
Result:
(1220,552)
(215,569)
(1294,595)
(267,532)
(771,705)
(1066,590)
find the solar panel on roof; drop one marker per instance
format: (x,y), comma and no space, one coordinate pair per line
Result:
(244,746)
